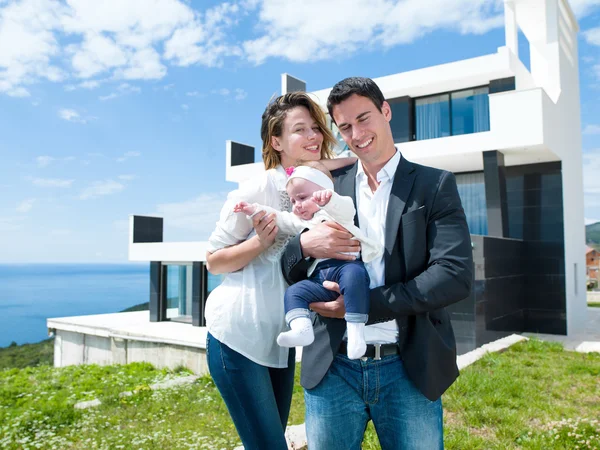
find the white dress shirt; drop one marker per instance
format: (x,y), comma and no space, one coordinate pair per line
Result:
(246,311)
(372,211)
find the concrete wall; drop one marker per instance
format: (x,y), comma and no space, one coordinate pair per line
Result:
(72,348)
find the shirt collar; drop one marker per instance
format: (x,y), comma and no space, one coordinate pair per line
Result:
(387,172)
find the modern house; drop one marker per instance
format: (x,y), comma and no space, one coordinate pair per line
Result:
(510,132)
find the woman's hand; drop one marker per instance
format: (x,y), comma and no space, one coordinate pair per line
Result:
(266,228)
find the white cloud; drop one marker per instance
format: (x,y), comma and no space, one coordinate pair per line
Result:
(583,7)
(592,36)
(26,29)
(108,97)
(127,155)
(70,115)
(90,42)
(223,91)
(198,214)
(56,40)
(315,30)
(122,89)
(101,188)
(26,205)
(51,182)
(193,94)
(127,177)
(591,129)
(43,161)
(185,107)
(240,94)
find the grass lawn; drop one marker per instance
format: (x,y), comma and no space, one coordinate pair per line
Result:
(513,400)
(594,304)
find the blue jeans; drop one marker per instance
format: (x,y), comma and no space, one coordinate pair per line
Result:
(356,391)
(258,398)
(353,279)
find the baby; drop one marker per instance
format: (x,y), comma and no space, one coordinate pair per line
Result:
(310,188)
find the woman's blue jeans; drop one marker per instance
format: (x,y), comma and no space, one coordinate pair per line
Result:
(258,398)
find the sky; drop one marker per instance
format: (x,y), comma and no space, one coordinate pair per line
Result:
(111,108)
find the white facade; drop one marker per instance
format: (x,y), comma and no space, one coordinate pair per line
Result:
(539,121)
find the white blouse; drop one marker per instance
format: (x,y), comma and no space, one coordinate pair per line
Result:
(246,311)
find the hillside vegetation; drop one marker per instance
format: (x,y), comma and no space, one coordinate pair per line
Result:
(27,355)
(592,235)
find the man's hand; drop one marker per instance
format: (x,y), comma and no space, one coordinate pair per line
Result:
(321,198)
(266,228)
(329,240)
(334,309)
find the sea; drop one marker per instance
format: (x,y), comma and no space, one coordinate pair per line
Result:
(32,293)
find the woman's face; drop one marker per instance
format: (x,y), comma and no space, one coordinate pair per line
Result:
(301,138)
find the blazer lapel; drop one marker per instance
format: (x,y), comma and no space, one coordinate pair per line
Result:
(345,184)
(403,182)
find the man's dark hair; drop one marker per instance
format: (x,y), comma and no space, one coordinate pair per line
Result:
(365,87)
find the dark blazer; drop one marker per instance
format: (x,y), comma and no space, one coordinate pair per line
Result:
(428,265)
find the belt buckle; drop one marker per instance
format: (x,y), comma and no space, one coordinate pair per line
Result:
(377,352)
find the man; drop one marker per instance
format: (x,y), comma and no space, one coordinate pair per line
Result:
(416,213)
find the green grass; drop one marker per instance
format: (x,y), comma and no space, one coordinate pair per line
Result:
(533,396)
(594,304)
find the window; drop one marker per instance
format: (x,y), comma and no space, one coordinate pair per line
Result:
(470,111)
(461,112)
(178,289)
(432,117)
(402,119)
(471,189)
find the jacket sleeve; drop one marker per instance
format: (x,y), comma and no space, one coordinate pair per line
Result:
(448,276)
(293,264)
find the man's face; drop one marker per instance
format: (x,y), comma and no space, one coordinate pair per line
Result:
(365,129)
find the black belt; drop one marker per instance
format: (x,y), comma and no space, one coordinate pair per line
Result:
(375,351)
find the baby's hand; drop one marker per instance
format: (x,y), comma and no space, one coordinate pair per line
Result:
(245,208)
(321,198)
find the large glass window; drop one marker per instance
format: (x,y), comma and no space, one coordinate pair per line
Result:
(461,112)
(432,117)
(178,290)
(470,111)
(471,188)
(401,122)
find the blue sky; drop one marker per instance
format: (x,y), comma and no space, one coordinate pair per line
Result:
(123,107)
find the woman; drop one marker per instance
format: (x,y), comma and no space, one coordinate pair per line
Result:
(245,314)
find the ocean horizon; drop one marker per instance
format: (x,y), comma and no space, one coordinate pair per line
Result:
(32,293)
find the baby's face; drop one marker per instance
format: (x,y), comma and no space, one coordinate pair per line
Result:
(300,192)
